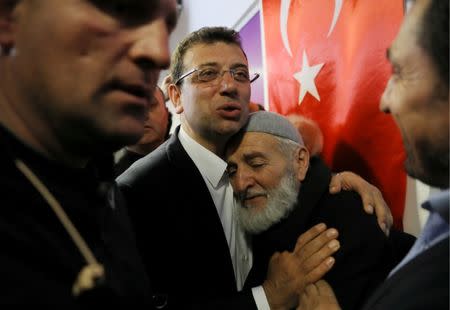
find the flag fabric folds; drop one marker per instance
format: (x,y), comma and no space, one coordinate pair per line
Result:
(326,60)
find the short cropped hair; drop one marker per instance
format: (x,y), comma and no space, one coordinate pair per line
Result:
(434,36)
(205,35)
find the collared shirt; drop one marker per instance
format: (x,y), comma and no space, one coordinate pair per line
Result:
(435,230)
(213,170)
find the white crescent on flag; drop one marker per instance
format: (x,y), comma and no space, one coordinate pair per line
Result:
(337,12)
(284,15)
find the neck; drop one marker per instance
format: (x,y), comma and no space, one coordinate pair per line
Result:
(212,143)
(30,126)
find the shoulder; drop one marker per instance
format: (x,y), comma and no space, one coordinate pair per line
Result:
(357,229)
(343,207)
(421,284)
(146,169)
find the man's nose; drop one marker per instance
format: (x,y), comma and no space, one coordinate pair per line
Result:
(242,180)
(228,84)
(150,49)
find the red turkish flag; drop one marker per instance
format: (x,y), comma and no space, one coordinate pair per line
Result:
(326,60)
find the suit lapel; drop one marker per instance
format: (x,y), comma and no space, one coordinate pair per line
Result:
(206,228)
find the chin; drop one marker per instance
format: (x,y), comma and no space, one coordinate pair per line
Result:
(230,128)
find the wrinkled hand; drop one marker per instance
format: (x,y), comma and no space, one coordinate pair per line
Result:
(289,273)
(370,195)
(318,296)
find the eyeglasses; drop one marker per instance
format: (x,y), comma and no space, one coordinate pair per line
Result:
(211,74)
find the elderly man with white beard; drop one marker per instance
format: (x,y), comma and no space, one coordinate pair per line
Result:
(282,192)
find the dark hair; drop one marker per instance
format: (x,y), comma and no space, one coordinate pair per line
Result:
(169,125)
(169,115)
(205,35)
(433,37)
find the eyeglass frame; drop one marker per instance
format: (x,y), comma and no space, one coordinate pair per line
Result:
(192,71)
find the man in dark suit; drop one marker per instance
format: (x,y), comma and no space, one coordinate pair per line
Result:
(194,251)
(417,96)
(281,193)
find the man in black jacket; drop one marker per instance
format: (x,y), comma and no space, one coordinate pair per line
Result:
(75,79)
(281,194)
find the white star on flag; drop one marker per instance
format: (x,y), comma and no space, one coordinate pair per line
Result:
(306,79)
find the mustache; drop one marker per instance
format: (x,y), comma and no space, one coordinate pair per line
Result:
(249,194)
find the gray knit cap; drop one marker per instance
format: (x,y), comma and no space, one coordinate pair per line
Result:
(274,124)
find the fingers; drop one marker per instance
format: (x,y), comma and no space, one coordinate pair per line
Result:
(316,240)
(370,195)
(311,290)
(319,270)
(313,251)
(309,235)
(373,201)
(335,184)
(382,211)
(288,273)
(324,289)
(318,296)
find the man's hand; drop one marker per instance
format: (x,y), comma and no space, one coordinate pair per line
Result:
(370,195)
(318,296)
(289,273)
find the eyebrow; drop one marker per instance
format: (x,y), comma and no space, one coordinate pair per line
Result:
(215,64)
(208,64)
(253,155)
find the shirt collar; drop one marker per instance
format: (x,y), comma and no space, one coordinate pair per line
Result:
(211,166)
(439,203)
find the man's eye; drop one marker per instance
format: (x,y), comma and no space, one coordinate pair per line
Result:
(241,75)
(207,74)
(257,165)
(231,172)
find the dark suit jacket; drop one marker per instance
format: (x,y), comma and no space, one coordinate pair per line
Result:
(366,254)
(423,283)
(179,232)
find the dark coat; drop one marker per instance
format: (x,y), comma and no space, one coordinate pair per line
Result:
(179,232)
(39,262)
(125,161)
(423,283)
(366,254)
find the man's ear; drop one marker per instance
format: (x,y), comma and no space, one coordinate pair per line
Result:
(7,12)
(174,95)
(302,162)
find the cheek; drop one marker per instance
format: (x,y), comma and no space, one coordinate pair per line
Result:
(197,102)
(270,179)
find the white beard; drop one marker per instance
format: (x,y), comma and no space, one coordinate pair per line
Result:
(280,202)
